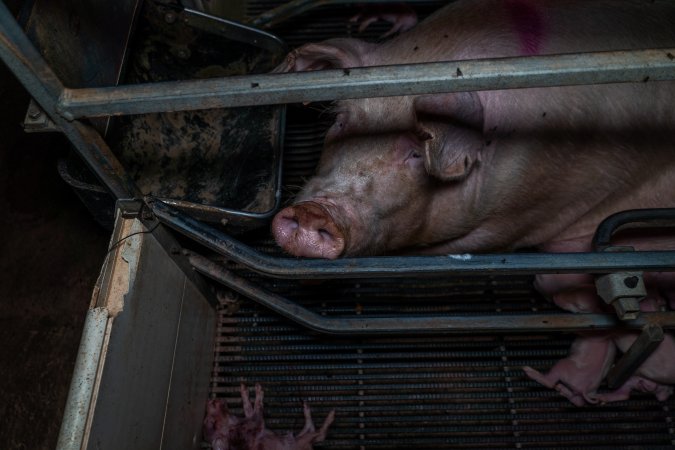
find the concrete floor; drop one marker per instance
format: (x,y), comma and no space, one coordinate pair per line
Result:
(51,252)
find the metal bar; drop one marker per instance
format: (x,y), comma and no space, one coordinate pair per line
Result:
(21,57)
(294,8)
(496,264)
(642,348)
(449,324)
(636,218)
(234,31)
(409,79)
(85,377)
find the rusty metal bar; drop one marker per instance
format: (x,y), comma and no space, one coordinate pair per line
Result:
(642,348)
(398,325)
(409,79)
(21,57)
(381,267)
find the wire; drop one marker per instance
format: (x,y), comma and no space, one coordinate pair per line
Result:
(140,212)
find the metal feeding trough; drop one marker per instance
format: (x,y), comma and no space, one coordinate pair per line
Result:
(200,160)
(409,351)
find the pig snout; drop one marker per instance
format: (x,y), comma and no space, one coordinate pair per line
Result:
(307,229)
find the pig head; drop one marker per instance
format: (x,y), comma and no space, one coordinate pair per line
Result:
(489,170)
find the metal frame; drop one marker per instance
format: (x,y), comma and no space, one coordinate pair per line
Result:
(47,90)
(408,79)
(63,105)
(393,266)
(445,324)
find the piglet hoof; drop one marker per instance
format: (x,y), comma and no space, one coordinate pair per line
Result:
(539,377)
(309,435)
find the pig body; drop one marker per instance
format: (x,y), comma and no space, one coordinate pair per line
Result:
(490,170)
(499,170)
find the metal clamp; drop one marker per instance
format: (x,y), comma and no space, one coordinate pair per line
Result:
(622,290)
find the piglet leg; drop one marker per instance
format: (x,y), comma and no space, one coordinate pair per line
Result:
(308,435)
(578,376)
(636,383)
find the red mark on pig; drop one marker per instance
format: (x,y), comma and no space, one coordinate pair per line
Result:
(528,24)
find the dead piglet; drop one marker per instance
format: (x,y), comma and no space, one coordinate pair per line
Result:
(228,432)
(578,376)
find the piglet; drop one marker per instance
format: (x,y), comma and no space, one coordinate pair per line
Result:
(657,374)
(228,432)
(578,376)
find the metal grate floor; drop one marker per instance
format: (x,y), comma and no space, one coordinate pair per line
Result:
(424,391)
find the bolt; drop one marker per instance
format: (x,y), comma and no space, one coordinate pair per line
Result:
(169,17)
(34,113)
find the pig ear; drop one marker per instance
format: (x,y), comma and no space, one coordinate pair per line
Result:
(330,54)
(451,126)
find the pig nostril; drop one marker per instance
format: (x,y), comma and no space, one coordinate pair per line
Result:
(325,234)
(291,223)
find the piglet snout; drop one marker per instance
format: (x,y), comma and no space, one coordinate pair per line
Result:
(307,229)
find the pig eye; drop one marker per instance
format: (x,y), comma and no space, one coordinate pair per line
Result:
(338,127)
(414,154)
(414,158)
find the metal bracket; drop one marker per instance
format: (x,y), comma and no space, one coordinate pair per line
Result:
(622,290)
(36,120)
(642,348)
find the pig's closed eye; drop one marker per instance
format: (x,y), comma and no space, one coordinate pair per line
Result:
(338,127)
(414,159)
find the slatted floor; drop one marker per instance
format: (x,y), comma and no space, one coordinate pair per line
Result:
(425,391)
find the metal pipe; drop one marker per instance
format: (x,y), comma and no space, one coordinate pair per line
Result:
(294,8)
(83,383)
(650,338)
(399,325)
(234,31)
(381,267)
(26,63)
(409,79)
(634,218)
